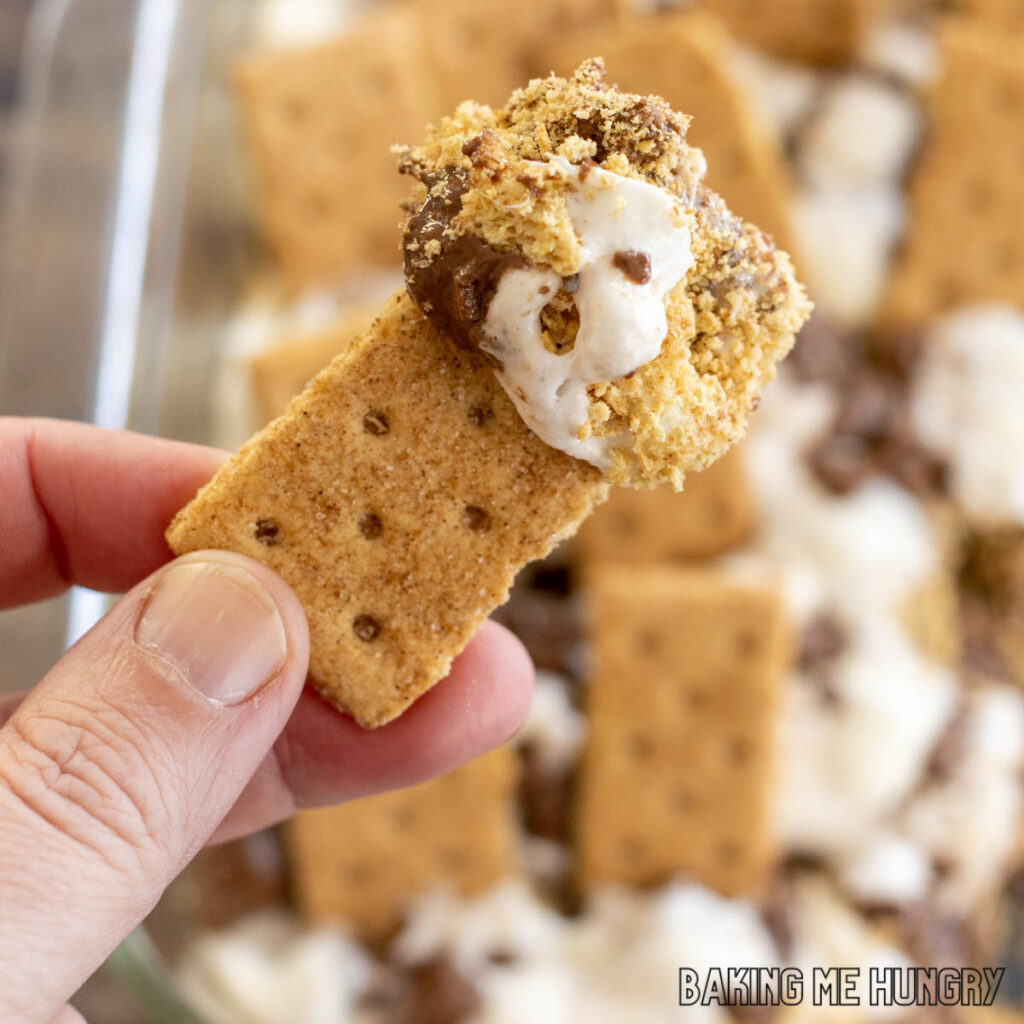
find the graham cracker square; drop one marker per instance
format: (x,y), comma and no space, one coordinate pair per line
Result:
(678,770)
(964,244)
(714,513)
(363,862)
(320,123)
(816,32)
(399,495)
(483,51)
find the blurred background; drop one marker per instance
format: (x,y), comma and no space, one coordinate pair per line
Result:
(825,631)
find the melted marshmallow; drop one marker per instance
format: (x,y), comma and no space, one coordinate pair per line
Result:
(622,323)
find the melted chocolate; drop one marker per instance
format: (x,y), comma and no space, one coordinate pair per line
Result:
(454,287)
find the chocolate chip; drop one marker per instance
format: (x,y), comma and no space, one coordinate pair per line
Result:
(480,414)
(376,422)
(502,957)
(266,531)
(840,462)
(979,625)
(822,641)
(437,994)
(635,265)
(545,796)
(914,467)
(476,519)
(948,752)
(870,406)
(370,526)
(366,628)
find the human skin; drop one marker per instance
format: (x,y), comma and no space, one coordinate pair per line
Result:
(182,717)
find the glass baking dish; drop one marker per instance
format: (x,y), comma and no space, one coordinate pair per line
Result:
(128,246)
(125,245)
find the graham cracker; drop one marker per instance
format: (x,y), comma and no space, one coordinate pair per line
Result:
(363,862)
(483,51)
(281,371)
(998,13)
(399,495)
(683,57)
(320,123)
(714,513)
(966,201)
(818,32)
(677,774)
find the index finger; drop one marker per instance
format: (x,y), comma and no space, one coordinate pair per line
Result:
(87,506)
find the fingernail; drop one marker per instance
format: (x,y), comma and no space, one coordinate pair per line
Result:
(217,627)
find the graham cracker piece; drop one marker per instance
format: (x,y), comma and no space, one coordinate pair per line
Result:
(281,371)
(713,514)
(363,862)
(998,13)
(677,774)
(320,123)
(399,495)
(815,32)
(964,243)
(683,58)
(482,51)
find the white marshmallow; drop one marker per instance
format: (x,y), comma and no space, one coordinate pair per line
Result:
(622,323)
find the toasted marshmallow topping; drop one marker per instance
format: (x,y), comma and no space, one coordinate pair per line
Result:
(622,224)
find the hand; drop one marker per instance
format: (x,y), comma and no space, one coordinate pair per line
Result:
(181,716)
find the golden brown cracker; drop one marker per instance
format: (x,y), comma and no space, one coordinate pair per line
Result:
(399,495)
(363,862)
(281,371)
(482,51)
(713,514)
(677,774)
(816,32)
(320,123)
(683,58)
(997,13)
(964,243)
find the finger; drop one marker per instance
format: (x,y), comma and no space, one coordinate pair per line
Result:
(83,505)
(119,765)
(323,757)
(68,1015)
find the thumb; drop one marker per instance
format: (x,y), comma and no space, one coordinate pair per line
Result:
(120,764)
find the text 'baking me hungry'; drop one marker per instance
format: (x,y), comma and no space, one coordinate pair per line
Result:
(839,986)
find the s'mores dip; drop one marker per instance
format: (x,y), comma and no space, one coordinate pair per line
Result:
(568,237)
(580,311)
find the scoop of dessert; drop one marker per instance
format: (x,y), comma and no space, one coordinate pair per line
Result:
(630,317)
